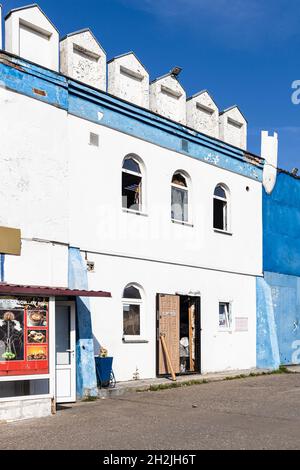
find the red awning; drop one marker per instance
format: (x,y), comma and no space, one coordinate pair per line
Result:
(49,291)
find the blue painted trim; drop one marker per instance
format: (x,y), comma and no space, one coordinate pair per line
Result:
(86,102)
(86,380)
(2,262)
(267,349)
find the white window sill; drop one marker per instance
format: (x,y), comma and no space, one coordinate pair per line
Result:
(180,222)
(225,330)
(133,340)
(225,232)
(129,211)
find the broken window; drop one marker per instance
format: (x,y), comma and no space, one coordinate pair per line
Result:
(132,180)
(180,198)
(225,316)
(132,303)
(220,209)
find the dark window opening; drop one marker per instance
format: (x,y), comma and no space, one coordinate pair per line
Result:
(131,165)
(131,191)
(132,292)
(220,213)
(131,185)
(220,209)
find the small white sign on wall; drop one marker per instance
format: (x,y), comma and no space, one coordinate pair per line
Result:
(241,324)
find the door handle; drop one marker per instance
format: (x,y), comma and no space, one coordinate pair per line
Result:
(70,350)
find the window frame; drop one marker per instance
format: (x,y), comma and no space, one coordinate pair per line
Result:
(141,175)
(188,192)
(229,328)
(140,303)
(227,216)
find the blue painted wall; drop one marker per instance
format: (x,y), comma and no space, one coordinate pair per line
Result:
(281,218)
(2,261)
(86,380)
(278,294)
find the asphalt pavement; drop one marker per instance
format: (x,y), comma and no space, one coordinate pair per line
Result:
(252,413)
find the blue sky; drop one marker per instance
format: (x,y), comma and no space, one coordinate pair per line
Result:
(244,52)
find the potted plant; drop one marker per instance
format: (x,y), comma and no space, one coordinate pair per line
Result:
(104,368)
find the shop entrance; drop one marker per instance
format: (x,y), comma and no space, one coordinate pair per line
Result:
(179,323)
(65,341)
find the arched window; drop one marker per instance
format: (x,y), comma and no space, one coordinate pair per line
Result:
(132,184)
(179,198)
(132,311)
(221,209)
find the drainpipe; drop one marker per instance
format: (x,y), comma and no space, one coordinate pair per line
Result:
(2,260)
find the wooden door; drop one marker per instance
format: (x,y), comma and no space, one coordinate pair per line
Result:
(168,325)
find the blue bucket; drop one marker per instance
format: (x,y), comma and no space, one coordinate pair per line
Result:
(104,370)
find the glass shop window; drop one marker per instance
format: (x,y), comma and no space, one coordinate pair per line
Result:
(132,305)
(24,388)
(220,209)
(132,185)
(24,336)
(179,198)
(225,316)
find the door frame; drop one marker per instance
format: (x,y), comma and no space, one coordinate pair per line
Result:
(72,306)
(158,338)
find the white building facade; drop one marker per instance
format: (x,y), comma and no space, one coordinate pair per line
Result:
(159,224)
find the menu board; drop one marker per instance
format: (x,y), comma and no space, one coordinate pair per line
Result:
(24,336)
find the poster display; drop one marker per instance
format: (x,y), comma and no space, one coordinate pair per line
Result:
(24,336)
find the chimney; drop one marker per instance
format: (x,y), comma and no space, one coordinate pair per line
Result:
(31,35)
(168,98)
(83,58)
(203,114)
(128,79)
(269,151)
(233,127)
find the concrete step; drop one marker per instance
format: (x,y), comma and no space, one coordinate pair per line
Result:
(123,388)
(293,369)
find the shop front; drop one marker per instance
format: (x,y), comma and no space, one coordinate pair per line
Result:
(38,360)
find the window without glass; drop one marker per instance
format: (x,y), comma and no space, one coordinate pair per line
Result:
(132,180)
(132,301)
(225,317)
(220,209)
(179,198)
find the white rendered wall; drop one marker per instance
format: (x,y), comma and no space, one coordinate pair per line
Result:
(40,46)
(172,107)
(57,187)
(220,350)
(83,59)
(33,167)
(203,115)
(230,132)
(130,87)
(98,222)
(40,264)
